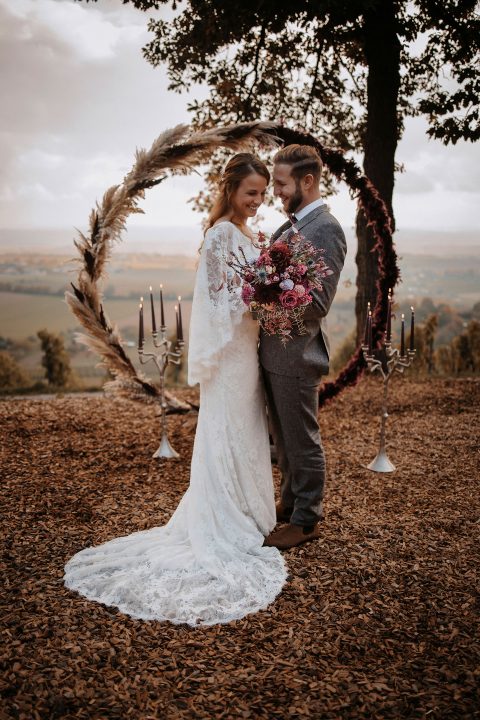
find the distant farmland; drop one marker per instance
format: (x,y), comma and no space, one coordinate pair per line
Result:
(22,314)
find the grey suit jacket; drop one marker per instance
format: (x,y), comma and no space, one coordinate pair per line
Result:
(307,356)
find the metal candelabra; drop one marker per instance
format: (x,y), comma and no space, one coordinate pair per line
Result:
(386,361)
(162,359)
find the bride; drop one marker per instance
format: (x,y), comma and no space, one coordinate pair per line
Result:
(208,565)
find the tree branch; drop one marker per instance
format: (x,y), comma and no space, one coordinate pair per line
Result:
(260,46)
(352,78)
(314,81)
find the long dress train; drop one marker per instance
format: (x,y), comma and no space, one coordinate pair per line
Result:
(207,565)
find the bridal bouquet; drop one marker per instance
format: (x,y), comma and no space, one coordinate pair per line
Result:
(277,285)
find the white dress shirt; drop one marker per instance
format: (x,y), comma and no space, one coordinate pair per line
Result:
(299,214)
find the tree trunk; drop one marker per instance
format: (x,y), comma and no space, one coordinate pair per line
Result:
(382,53)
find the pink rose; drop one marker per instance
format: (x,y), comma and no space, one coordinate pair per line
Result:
(305,299)
(289,299)
(302,269)
(247,293)
(299,289)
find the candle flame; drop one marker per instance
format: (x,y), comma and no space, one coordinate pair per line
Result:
(176,308)
(141,299)
(403,316)
(161,286)
(140,306)
(179,298)
(411,308)
(370,313)
(150,288)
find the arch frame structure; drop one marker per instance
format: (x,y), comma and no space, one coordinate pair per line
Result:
(180,150)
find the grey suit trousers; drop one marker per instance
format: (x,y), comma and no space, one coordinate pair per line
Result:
(300,453)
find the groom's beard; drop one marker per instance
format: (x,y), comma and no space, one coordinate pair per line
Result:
(295,201)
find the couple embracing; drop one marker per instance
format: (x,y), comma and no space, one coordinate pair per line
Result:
(218,558)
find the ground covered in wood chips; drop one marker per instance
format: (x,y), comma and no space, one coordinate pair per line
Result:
(379,619)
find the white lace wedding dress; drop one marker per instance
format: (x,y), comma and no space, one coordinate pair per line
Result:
(207,565)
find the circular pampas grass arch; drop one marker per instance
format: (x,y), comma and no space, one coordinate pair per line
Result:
(178,151)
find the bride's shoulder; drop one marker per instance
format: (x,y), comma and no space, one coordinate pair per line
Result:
(223,225)
(222,231)
(220,237)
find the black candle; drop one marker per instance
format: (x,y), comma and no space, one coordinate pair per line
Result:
(365,335)
(180,324)
(154,327)
(412,330)
(402,337)
(176,322)
(162,311)
(140,325)
(370,343)
(389,318)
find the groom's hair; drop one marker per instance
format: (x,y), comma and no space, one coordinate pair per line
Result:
(303,159)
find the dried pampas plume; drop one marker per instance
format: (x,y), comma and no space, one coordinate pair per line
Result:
(177,151)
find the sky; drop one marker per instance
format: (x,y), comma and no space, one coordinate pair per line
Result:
(78,98)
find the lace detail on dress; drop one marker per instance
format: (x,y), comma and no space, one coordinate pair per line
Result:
(219,245)
(207,564)
(216,268)
(217,305)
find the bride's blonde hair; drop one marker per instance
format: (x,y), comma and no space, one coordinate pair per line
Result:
(239,167)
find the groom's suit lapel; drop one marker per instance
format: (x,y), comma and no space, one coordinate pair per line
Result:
(283,229)
(310,217)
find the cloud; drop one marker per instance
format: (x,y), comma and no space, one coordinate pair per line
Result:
(73,115)
(438,210)
(412,181)
(79,98)
(40,159)
(66,27)
(430,165)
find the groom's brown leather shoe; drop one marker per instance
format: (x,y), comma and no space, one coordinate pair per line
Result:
(283,513)
(291,536)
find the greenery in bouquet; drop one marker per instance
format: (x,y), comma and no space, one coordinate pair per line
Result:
(277,285)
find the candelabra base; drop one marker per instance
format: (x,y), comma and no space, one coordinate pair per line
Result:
(381,463)
(165,450)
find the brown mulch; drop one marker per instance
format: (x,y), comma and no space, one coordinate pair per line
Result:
(379,619)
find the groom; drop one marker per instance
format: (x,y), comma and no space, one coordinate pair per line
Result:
(292,373)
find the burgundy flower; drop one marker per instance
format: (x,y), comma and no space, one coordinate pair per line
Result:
(265,294)
(263,259)
(280,254)
(289,299)
(247,293)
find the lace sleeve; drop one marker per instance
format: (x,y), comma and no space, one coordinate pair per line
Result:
(217,303)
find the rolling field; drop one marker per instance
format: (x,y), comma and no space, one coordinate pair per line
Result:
(22,314)
(127,275)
